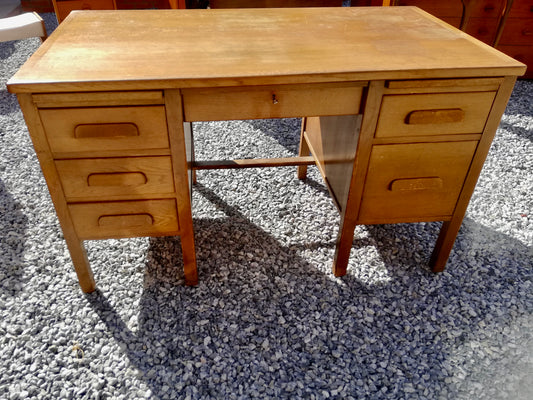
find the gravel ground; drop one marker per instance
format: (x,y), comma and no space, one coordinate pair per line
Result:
(268,319)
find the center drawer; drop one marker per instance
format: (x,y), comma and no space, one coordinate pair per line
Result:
(434,114)
(282,101)
(105,128)
(115,178)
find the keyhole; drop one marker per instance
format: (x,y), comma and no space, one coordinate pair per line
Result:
(274,100)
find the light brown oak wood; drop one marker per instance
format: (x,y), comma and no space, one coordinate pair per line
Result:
(78,253)
(125,219)
(450,228)
(253,163)
(400,112)
(228,47)
(360,167)
(416,184)
(283,101)
(442,116)
(105,128)
(430,113)
(333,142)
(444,85)
(181,167)
(395,164)
(94,99)
(116,178)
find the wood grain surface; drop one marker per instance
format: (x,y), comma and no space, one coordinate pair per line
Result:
(143,49)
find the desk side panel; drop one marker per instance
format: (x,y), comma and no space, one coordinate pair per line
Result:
(333,142)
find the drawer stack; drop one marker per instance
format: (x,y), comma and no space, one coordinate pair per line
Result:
(114,162)
(426,136)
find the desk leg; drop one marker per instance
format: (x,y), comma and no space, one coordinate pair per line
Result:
(444,245)
(343,247)
(81,263)
(189,257)
(351,203)
(181,147)
(304,151)
(450,229)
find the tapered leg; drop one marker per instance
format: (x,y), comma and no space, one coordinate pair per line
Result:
(303,152)
(81,264)
(181,145)
(449,229)
(444,244)
(189,258)
(343,247)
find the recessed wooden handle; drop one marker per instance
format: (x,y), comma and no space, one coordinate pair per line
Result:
(106,130)
(117,179)
(415,184)
(125,220)
(420,117)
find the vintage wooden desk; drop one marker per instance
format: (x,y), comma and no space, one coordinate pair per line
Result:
(401,110)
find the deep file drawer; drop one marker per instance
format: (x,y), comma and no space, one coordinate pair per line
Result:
(434,114)
(105,128)
(414,182)
(125,219)
(115,178)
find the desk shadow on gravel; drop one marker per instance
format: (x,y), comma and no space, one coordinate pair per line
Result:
(13,226)
(286,131)
(263,322)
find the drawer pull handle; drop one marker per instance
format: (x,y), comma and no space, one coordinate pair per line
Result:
(274,99)
(125,220)
(415,184)
(420,117)
(87,131)
(117,179)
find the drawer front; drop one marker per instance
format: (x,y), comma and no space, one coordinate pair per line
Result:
(214,104)
(521,9)
(105,128)
(115,178)
(483,29)
(414,182)
(65,7)
(434,114)
(125,219)
(518,31)
(84,5)
(488,8)
(437,8)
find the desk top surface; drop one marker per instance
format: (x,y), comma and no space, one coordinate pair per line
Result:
(147,49)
